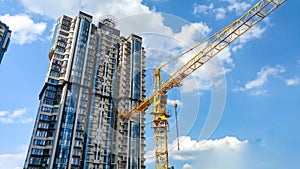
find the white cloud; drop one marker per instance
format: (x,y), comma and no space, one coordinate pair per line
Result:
(219,154)
(17,116)
(190,149)
(262,76)
(220,13)
(202,9)
(13,161)
(293,81)
(193,33)
(145,23)
(24,29)
(199,80)
(253,33)
(26,120)
(236,6)
(188,146)
(186,166)
(161,42)
(19,112)
(3,113)
(225,57)
(209,9)
(6,120)
(56,8)
(254,86)
(258,92)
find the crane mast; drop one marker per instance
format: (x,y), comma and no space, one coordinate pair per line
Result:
(214,44)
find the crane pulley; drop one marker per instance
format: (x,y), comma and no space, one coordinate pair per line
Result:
(212,46)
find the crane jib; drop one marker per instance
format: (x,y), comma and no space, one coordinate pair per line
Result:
(214,44)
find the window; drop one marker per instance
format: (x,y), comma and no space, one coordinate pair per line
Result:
(50,80)
(34,160)
(65,63)
(59,56)
(61,44)
(50,95)
(55,110)
(54,74)
(39,142)
(50,134)
(36,151)
(51,88)
(41,133)
(55,68)
(47,152)
(63,33)
(54,118)
(44,117)
(52,125)
(56,62)
(66,28)
(62,39)
(49,102)
(66,23)
(46,109)
(48,142)
(43,125)
(76,152)
(77,143)
(75,161)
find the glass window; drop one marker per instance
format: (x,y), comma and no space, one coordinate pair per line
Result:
(48,142)
(39,142)
(61,50)
(44,117)
(55,110)
(50,80)
(49,102)
(56,68)
(46,109)
(63,33)
(61,44)
(41,133)
(34,160)
(50,134)
(43,125)
(51,88)
(50,95)
(59,56)
(36,151)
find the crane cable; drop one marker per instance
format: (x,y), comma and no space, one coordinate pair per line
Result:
(177,132)
(177,57)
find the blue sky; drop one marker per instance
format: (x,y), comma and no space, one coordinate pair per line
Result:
(250,92)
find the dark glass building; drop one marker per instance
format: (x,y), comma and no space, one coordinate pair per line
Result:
(5,34)
(92,75)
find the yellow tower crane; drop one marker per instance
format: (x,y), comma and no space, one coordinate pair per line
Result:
(214,45)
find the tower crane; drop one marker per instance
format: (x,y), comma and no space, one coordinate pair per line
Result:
(212,46)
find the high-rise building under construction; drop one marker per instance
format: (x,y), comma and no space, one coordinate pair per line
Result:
(93,74)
